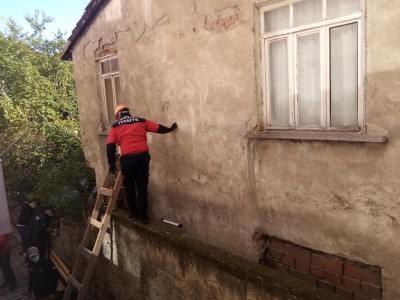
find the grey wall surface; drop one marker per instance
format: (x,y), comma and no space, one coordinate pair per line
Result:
(177,64)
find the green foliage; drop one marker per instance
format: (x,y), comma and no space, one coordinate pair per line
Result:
(62,185)
(37,97)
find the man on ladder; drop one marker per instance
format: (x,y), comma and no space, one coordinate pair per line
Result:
(130,133)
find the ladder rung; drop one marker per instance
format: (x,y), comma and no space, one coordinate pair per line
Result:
(106,192)
(96,223)
(74,282)
(85,252)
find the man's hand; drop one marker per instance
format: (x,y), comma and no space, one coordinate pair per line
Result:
(174,126)
(162,129)
(111,169)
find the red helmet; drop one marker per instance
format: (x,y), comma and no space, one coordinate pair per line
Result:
(118,108)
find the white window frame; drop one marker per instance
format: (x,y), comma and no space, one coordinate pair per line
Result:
(291,34)
(111,75)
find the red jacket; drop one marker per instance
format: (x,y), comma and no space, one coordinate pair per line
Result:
(4,244)
(130,134)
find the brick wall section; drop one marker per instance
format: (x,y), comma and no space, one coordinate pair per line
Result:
(105,50)
(349,279)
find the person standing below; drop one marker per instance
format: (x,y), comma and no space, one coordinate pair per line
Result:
(43,277)
(5,263)
(130,133)
(38,232)
(25,218)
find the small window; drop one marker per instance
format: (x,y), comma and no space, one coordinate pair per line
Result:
(109,66)
(312,65)
(111,87)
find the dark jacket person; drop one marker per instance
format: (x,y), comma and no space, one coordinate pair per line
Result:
(25,218)
(38,232)
(43,276)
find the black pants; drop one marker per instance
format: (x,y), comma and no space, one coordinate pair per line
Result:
(23,230)
(135,169)
(5,266)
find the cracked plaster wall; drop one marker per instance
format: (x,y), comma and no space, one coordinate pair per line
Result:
(194,62)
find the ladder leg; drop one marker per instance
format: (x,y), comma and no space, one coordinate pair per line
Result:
(68,292)
(74,281)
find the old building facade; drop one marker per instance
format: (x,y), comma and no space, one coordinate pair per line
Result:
(288,125)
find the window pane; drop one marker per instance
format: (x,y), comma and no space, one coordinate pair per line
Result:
(308,79)
(114,65)
(109,100)
(307,11)
(279,83)
(276,19)
(335,8)
(105,67)
(117,89)
(344,66)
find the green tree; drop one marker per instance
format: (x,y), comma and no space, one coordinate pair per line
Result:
(37,96)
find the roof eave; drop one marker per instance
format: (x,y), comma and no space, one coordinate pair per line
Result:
(91,11)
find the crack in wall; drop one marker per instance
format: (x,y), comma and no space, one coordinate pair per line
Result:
(84,49)
(121,32)
(146,35)
(141,35)
(90,48)
(159,21)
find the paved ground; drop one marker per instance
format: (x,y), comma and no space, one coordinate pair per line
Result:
(21,272)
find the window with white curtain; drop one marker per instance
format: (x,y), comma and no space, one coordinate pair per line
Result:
(312,65)
(111,87)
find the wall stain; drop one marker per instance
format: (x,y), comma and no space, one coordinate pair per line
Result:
(223,20)
(165,106)
(339,202)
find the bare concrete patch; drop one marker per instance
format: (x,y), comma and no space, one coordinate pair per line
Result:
(222,20)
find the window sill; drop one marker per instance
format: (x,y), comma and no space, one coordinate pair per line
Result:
(103,133)
(369,137)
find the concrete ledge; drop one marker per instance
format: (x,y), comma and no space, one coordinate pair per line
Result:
(268,281)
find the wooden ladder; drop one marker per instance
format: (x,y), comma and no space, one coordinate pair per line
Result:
(88,251)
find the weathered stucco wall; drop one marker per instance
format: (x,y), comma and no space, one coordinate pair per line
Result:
(158,262)
(177,63)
